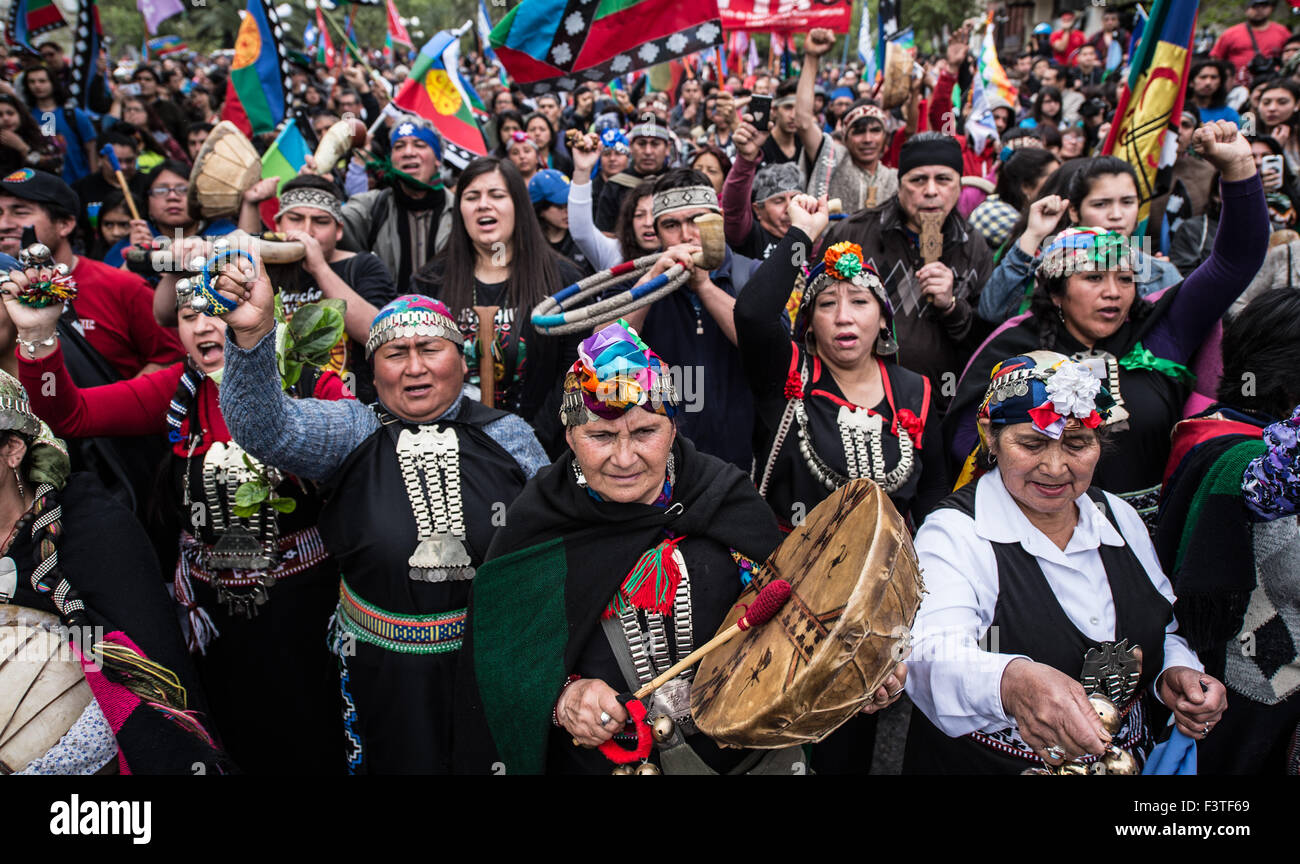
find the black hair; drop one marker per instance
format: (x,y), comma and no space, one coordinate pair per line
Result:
(197,127)
(550,150)
(1048,93)
(28,129)
(1261,347)
(1023,168)
(1081,183)
(1057,183)
(58,92)
(534,274)
(1292,87)
(501,118)
(1220,96)
(172,165)
(679,178)
(1048,314)
(788,87)
(623,227)
(146,67)
(308,180)
(113,135)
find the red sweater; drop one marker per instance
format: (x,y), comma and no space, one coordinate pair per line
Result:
(973,164)
(115,309)
(137,406)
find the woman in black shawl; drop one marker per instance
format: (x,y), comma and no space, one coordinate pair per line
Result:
(633,525)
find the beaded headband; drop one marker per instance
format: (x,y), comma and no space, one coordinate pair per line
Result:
(864,112)
(413,315)
(684,198)
(316,199)
(1085,250)
(1047,390)
(649,130)
(614,373)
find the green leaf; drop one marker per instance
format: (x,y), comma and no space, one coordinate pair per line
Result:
(305,319)
(279,309)
(284,505)
(245,512)
(292,372)
(251,494)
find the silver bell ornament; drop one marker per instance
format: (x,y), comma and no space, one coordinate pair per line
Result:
(648,768)
(623,769)
(662,729)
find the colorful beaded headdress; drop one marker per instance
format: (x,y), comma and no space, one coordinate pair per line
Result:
(1085,250)
(615,372)
(413,315)
(1047,390)
(844,262)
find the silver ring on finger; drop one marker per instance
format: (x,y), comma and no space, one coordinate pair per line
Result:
(895,694)
(1206,730)
(1055,751)
(605,718)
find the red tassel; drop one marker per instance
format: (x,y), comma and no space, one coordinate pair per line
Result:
(657,590)
(794,385)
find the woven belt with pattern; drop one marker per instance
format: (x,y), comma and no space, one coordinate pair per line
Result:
(406,634)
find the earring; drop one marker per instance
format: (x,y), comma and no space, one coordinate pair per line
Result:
(578,475)
(993,458)
(19,479)
(672,470)
(1060,313)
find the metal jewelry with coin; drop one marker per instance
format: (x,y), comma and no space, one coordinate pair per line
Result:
(243,544)
(430,463)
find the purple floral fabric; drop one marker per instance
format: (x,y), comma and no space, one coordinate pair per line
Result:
(1271,483)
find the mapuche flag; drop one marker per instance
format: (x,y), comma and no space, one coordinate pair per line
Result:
(29,19)
(257,93)
(554,44)
(85,62)
(436,92)
(1145,131)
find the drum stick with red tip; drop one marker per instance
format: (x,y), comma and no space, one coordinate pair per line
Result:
(111,155)
(768,602)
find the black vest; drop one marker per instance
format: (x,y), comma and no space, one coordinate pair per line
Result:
(1029,620)
(792,482)
(367,523)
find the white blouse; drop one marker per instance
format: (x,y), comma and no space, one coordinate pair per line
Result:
(957,682)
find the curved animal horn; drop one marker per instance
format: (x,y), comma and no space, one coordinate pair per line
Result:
(713,242)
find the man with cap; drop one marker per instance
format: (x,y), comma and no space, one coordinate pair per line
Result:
(695,326)
(418,480)
(651,146)
(113,314)
(1251,46)
(406,223)
(754,199)
(841,100)
(521,149)
(933,302)
(549,191)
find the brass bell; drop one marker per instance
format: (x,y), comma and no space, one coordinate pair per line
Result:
(648,768)
(1117,761)
(1072,768)
(624,769)
(1035,771)
(1111,720)
(662,729)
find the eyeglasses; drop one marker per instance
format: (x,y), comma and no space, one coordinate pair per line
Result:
(163,191)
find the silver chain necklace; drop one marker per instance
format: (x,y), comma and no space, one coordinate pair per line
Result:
(649,649)
(430,463)
(861,433)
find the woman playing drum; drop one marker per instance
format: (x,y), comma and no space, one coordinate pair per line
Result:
(1061,583)
(614,563)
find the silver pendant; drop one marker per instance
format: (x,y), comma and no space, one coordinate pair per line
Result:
(1112,670)
(237,549)
(674,700)
(242,603)
(441,558)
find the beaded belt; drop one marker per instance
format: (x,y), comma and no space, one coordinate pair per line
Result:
(407,634)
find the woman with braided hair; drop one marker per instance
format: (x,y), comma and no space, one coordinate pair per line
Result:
(1087,305)
(75,557)
(257,589)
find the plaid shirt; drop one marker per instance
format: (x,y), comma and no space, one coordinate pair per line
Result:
(994,219)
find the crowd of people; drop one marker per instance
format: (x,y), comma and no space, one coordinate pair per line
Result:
(454,541)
